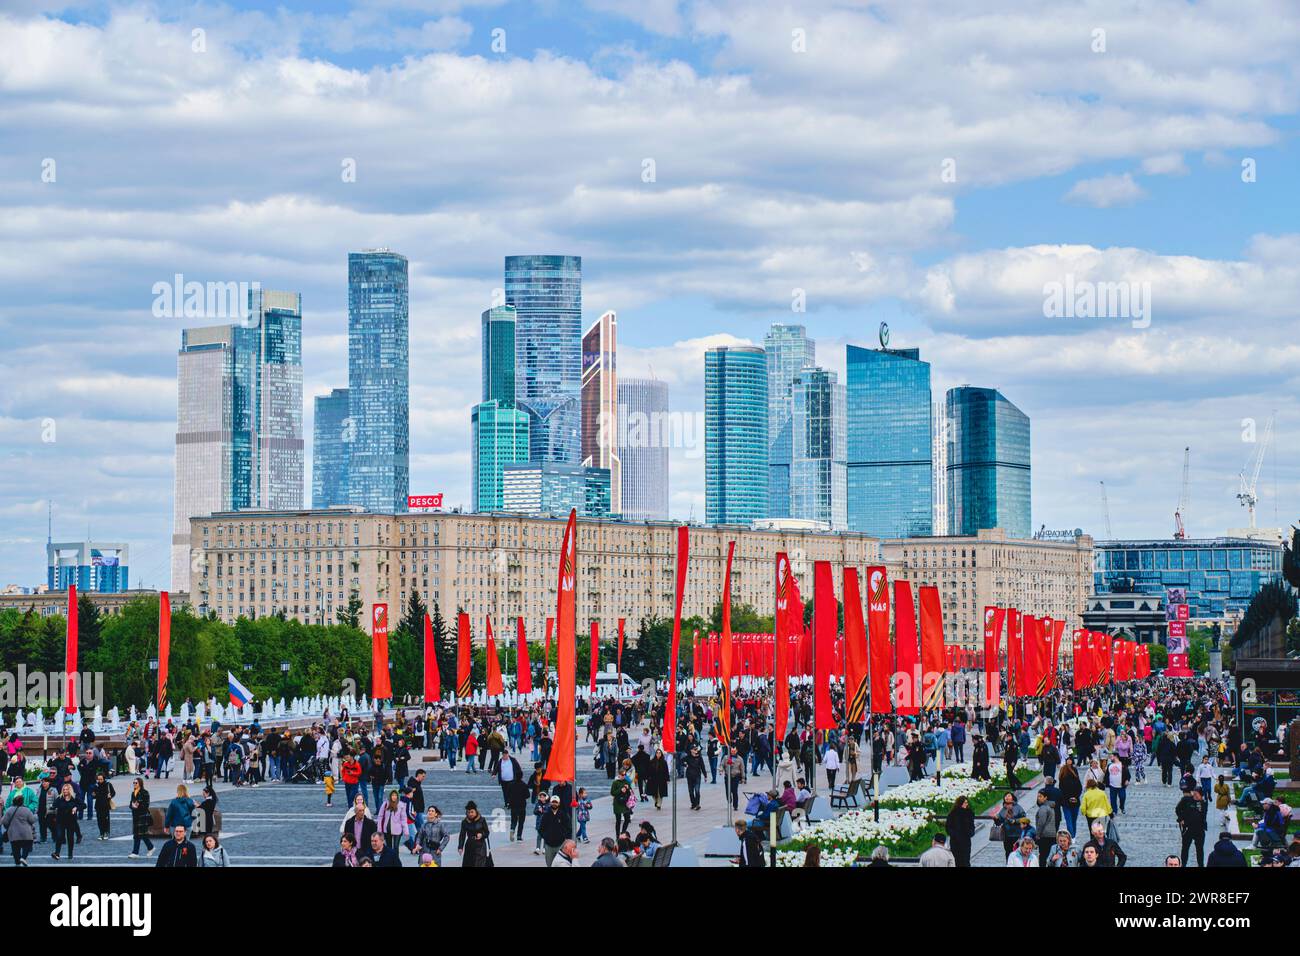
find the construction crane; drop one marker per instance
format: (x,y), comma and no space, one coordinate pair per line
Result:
(1180,531)
(1247,494)
(1105,510)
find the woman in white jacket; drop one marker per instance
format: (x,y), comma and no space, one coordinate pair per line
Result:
(214,854)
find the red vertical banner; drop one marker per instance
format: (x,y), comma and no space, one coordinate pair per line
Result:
(992,670)
(781,646)
(495,686)
(669,738)
(432,680)
(619,660)
(70,653)
(164,645)
(546,655)
(1048,626)
(879,649)
(563,764)
(1080,668)
(907,656)
(1058,635)
(595,654)
(464,659)
(381,687)
(1014,659)
(825,626)
(856,667)
(1027,674)
(933,666)
(523,667)
(724,653)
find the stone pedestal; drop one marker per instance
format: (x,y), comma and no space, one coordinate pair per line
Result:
(1216,664)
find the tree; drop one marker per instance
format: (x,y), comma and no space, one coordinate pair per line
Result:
(89,625)
(441,645)
(413,620)
(350,616)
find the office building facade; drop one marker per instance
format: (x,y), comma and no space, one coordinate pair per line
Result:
(546,293)
(332,434)
(1219,575)
(890,464)
(276,328)
(735,434)
(988,463)
(498,438)
(789,352)
(549,488)
(643,437)
(818,462)
(600,404)
(90,565)
(379,380)
(498,327)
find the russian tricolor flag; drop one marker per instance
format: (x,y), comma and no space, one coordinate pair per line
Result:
(239,694)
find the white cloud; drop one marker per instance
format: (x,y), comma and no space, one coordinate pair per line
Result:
(1106,191)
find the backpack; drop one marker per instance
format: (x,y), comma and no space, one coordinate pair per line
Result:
(232,756)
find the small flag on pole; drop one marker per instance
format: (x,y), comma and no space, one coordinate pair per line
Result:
(239,694)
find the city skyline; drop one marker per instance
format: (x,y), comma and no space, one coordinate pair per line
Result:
(708,245)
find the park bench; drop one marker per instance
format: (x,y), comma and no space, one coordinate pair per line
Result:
(846,795)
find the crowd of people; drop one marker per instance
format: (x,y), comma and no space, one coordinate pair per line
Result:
(1090,748)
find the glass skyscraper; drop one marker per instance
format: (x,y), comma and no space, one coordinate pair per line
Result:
(499,354)
(818,467)
(988,463)
(1220,575)
(642,442)
(499,437)
(378,380)
(546,292)
(238,418)
(789,351)
(90,565)
(332,434)
(735,434)
(600,404)
(550,488)
(890,468)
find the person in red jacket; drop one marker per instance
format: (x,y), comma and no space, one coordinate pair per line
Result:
(471,752)
(351,772)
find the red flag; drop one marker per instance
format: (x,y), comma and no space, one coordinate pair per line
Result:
(594,654)
(1080,668)
(563,764)
(381,687)
(781,644)
(906,649)
(1030,641)
(992,670)
(1014,658)
(669,738)
(524,680)
(881,652)
(463,656)
(824,627)
(932,661)
(70,652)
(164,645)
(619,665)
(495,686)
(725,651)
(432,680)
(855,652)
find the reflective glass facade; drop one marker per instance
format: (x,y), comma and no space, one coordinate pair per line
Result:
(789,351)
(331,436)
(642,443)
(890,468)
(735,435)
(276,329)
(818,467)
(546,292)
(499,437)
(499,355)
(1221,575)
(92,567)
(988,463)
(379,468)
(600,403)
(548,488)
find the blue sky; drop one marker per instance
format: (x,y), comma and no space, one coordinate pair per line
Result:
(796,146)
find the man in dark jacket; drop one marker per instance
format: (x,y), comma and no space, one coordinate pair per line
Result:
(979,768)
(554,827)
(751,845)
(1225,853)
(178,851)
(1190,814)
(607,854)
(381,854)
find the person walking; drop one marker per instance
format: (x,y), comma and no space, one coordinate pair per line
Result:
(140,819)
(474,845)
(1190,814)
(66,806)
(104,794)
(960,828)
(214,854)
(433,835)
(20,830)
(657,784)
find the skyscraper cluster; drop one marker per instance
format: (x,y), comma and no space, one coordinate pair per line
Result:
(548,432)
(785,439)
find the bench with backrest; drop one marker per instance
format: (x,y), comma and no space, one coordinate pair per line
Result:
(846,795)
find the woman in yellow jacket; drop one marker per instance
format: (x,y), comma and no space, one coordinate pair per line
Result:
(1095,805)
(1222,801)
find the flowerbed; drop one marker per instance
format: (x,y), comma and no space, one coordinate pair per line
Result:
(857,833)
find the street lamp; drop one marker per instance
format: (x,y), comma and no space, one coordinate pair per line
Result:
(153,664)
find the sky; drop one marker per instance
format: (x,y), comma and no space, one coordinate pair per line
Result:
(720,166)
